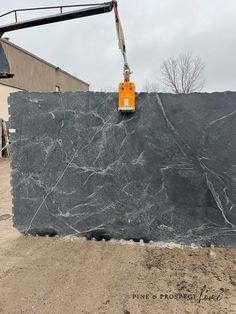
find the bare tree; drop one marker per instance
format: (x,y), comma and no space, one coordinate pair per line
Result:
(108,89)
(183,74)
(149,87)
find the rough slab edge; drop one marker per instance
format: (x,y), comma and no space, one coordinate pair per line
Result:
(158,244)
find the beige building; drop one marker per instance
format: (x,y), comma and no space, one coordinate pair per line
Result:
(33,74)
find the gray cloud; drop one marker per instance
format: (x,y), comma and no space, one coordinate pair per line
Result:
(154,30)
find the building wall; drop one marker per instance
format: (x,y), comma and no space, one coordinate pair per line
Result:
(35,74)
(4,94)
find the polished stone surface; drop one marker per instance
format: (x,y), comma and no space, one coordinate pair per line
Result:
(166,173)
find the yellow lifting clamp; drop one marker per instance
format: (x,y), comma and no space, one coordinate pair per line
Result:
(126,89)
(126,94)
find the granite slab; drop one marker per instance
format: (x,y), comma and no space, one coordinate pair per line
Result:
(165,173)
(1,135)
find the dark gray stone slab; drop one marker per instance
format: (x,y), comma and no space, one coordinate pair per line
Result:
(1,138)
(166,173)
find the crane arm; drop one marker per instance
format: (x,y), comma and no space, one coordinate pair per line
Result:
(91,10)
(126,88)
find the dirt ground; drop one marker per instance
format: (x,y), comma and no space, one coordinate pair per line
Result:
(70,275)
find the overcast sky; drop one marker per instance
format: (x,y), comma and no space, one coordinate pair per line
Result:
(154,30)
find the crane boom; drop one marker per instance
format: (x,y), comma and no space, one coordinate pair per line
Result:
(62,16)
(126,89)
(94,10)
